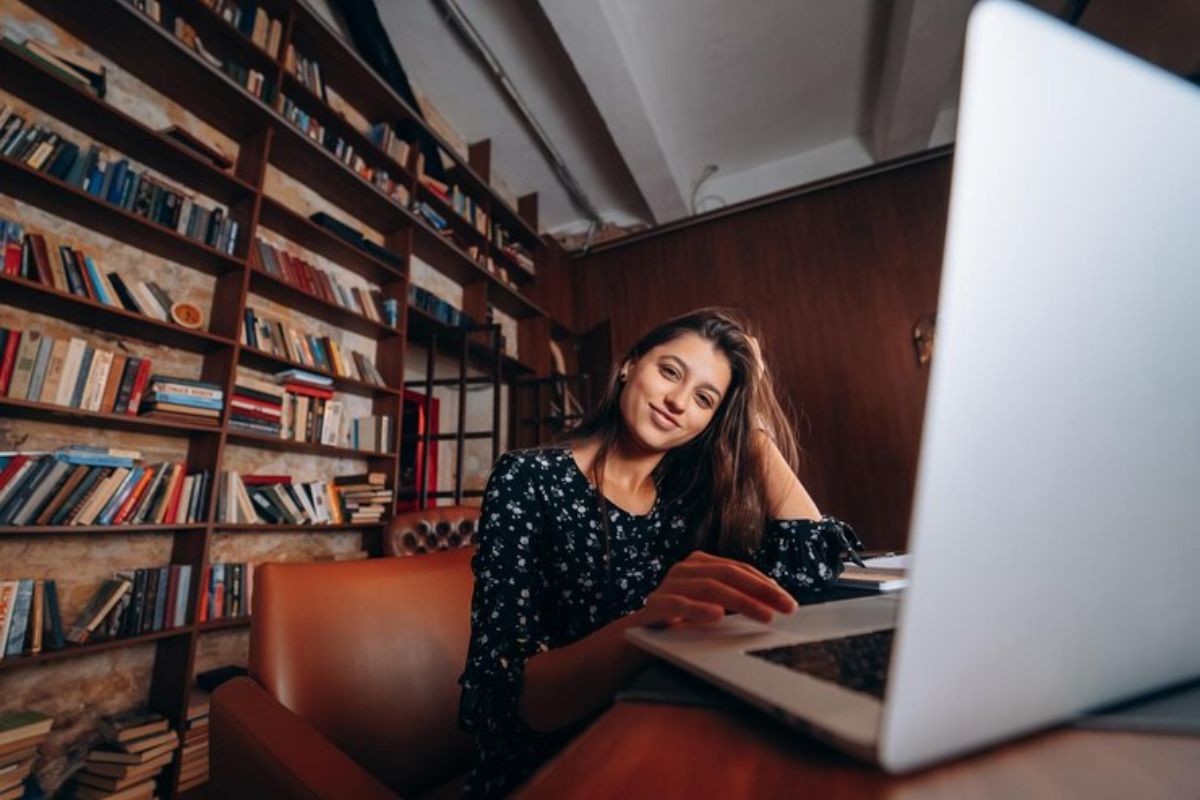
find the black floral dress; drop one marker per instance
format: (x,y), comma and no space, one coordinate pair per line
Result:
(541,583)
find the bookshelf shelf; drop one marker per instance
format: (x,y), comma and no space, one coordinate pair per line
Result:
(311,236)
(88,648)
(232,528)
(287,445)
(65,415)
(65,200)
(87,113)
(223,624)
(283,292)
(89,530)
(262,360)
(44,299)
(421,326)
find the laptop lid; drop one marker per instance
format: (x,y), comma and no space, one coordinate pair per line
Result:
(1055,525)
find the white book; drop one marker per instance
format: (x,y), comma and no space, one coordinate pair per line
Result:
(70,373)
(148,301)
(331,423)
(247,513)
(305,501)
(104,492)
(93,391)
(320,501)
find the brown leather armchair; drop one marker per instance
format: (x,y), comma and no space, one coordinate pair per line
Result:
(353,690)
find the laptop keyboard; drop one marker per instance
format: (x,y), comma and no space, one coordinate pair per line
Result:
(856,662)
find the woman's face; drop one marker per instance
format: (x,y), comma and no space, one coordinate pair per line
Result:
(672,392)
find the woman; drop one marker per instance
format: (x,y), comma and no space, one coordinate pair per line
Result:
(675,502)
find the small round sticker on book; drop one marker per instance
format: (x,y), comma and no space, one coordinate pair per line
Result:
(187,315)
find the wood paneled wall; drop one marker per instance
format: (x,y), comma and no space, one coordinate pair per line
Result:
(835,280)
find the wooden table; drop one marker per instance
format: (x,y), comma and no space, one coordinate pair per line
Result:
(638,750)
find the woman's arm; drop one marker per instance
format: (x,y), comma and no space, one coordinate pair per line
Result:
(566,684)
(786,496)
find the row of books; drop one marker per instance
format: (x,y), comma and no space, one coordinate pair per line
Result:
(183,400)
(193,756)
(114,181)
(62,372)
(33,256)
(384,136)
(148,600)
(276,500)
(306,70)
(342,150)
(30,620)
(435,306)
(227,592)
(252,21)
(83,485)
(462,204)
(299,412)
(134,748)
(320,352)
(318,282)
(22,732)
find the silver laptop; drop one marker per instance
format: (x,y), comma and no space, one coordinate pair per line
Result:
(1055,534)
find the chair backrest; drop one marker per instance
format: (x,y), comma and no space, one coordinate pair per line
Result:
(369,652)
(442,528)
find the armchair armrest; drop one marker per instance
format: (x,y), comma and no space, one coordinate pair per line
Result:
(259,748)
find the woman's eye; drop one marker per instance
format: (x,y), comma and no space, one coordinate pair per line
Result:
(705,401)
(669,372)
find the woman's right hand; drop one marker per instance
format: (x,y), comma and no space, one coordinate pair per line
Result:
(702,587)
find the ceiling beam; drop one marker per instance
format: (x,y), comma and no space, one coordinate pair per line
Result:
(587,36)
(922,54)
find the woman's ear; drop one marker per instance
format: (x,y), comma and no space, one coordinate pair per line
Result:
(624,374)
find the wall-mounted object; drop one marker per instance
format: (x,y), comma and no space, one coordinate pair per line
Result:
(923,337)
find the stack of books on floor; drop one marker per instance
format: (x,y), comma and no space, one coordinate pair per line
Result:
(183,400)
(277,500)
(21,732)
(193,768)
(70,372)
(82,485)
(148,600)
(136,747)
(30,621)
(227,591)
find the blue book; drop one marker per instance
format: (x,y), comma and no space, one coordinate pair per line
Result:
(94,459)
(39,369)
(184,400)
(95,180)
(52,638)
(97,282)
(82,167)
(105,517)
(85,366)
(91,479)
(300,376)
(20,618)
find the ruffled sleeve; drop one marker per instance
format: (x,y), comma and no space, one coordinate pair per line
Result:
(506,628)
(804,555)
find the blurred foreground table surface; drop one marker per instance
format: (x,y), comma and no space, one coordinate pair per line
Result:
(640,750)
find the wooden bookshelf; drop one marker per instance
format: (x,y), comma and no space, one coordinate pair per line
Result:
(265,139)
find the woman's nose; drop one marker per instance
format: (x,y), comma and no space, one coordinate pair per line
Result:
(673,402)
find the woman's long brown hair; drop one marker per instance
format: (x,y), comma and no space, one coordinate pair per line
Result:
(720,476)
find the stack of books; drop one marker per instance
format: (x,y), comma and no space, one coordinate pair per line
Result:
(277,500)
(193,768)
(365,500)
(384,136)
(252,21)
(115,181)
(227,591)
(257,406)
(83,485)
(435,306)
(20,734)
(149,600)
(70,372)
(318,282)
(183,400)
(321,352)
(136,747)
(310,414)
(30,621)
(306,71)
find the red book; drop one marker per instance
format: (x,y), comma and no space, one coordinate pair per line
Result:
(12,257)
(81,265)
(289,268)
(218,599)
(176,493)
(11,469)
(202,611)
(330,292)
(255,414)
(41,259)
(306,275)
(9,358)
(310,391)
(265,480)
(139,386)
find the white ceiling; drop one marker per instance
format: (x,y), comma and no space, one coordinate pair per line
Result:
(640,96)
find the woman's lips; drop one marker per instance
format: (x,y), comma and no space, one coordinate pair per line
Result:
(663,418)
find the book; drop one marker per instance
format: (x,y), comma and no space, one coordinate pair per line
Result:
(20,620)
(18,726)
(97,609)
(130,725)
